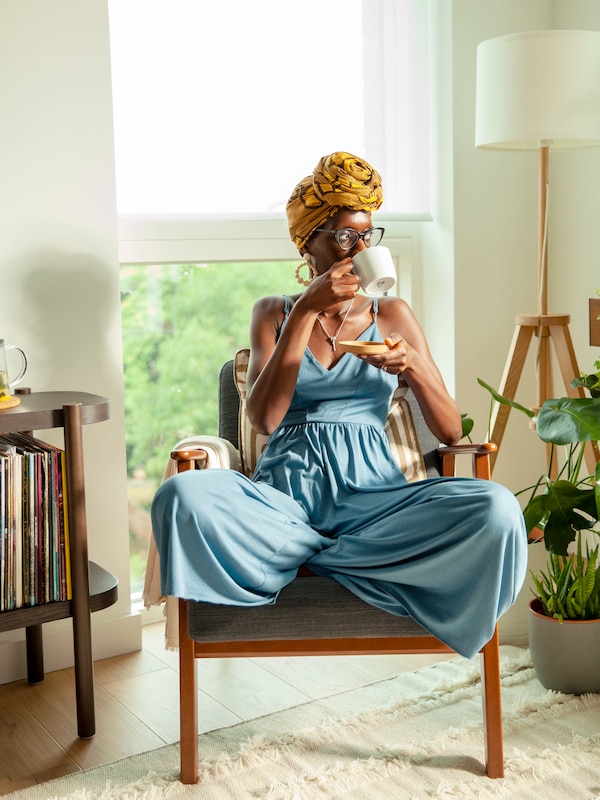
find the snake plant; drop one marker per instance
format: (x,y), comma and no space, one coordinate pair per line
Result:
(570,588)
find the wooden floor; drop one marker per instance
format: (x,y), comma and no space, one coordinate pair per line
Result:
(137,704)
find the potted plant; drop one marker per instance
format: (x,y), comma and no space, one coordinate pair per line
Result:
(564,618)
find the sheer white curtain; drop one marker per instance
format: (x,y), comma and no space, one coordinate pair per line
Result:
(221,107)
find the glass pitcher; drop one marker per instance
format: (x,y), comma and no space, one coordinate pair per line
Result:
(7,383)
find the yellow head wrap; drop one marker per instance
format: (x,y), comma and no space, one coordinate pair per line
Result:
(340,180)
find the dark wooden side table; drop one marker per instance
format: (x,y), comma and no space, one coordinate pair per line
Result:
(93,588)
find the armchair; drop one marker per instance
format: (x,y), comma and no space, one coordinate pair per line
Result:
(317,615)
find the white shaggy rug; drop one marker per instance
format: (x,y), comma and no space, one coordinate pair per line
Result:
(415,736)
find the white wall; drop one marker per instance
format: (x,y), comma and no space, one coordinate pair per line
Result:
(495,208)
(59,279)
(575,214)
(433,292)
(486,225)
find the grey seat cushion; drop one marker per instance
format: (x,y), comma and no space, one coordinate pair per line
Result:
(308,608)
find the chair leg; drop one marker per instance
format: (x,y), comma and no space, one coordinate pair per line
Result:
(492,707)
(188,701)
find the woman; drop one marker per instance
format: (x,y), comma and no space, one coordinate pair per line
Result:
(327,491)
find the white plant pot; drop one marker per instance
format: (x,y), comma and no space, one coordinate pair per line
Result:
(566,655)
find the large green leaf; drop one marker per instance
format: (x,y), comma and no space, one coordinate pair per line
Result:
(563,510)
(535,513)
(590,382)
(569,419)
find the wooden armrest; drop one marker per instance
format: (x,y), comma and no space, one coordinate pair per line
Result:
(457,449)
(189,459)
(481,458)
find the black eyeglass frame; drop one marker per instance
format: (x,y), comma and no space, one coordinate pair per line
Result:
(338,231)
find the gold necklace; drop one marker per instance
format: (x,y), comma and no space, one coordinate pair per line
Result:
(332,339)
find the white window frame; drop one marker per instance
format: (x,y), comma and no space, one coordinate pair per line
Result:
(181,241)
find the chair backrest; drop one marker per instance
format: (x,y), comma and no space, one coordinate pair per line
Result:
(413,445)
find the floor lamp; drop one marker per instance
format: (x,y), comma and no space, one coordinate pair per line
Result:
(540,91)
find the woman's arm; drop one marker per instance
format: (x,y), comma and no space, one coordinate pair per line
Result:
(275,362)
(409,354)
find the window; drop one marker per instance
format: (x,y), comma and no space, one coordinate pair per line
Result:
(221,107)
(181,323)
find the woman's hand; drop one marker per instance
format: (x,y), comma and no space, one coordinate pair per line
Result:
(397,358)
(330,288)
(408,354)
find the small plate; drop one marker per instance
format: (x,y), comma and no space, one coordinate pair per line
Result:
(10,402)
(364,348)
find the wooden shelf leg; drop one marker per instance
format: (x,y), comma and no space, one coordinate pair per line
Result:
(34,642)
(82,629)
(35,653)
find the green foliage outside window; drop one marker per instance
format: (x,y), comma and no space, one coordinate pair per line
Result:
(180,324)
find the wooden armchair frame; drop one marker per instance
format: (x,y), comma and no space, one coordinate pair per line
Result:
(422,642)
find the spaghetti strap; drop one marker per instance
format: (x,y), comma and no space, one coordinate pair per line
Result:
(287,307)
(375,308)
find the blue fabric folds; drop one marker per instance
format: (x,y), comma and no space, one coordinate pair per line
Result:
(450,552)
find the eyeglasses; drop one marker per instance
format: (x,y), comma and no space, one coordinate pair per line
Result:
(348,237)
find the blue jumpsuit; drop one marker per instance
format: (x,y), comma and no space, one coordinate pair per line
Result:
(450,552)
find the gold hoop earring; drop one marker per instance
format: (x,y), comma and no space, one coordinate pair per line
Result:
(313,272)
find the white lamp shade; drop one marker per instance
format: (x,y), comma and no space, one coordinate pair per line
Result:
(539,88)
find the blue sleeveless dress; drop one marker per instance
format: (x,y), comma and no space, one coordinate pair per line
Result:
(327,492)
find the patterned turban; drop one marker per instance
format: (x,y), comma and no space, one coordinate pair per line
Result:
(340,180)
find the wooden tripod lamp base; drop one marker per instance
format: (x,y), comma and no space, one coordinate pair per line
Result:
(548,328)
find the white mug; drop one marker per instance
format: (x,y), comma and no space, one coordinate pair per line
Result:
(374,267)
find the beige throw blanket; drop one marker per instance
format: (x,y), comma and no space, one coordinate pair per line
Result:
(221,455)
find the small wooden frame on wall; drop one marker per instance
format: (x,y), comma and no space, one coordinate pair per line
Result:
(595,321)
